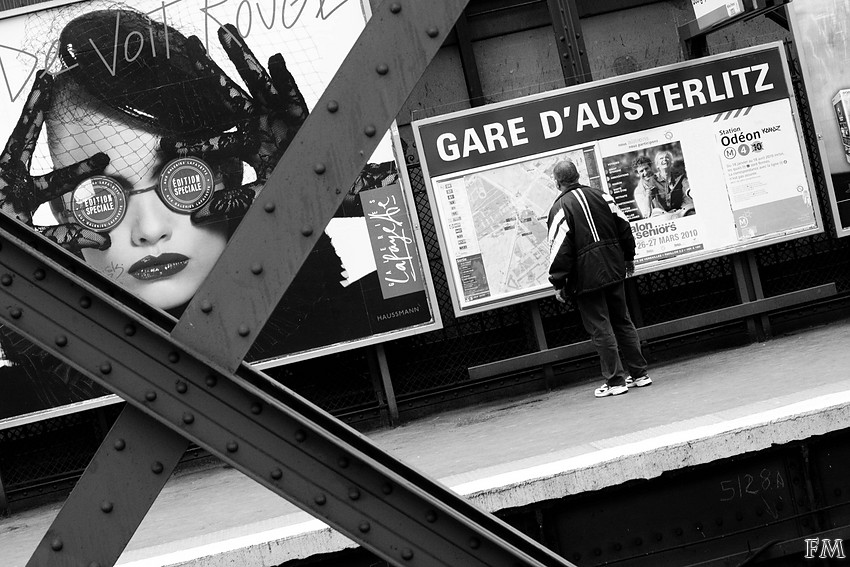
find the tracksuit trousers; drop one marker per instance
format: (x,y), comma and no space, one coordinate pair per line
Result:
(605,316)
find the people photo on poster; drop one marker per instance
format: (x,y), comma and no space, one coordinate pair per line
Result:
(139,135)
(705,158)
(821,29)
(651,182)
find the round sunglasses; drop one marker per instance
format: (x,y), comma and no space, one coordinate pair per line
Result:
(185,185)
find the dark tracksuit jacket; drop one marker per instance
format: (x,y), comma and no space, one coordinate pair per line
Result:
(590,240)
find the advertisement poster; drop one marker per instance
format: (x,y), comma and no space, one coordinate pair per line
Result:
(651,186)
(137,137)
(704,158)
(760,156)
(821,31)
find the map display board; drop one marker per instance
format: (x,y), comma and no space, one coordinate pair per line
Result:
(704,158)
(164,122)
(496,217)
(821,31)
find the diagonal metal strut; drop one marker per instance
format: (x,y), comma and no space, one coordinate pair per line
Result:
(271,434)
(312,178)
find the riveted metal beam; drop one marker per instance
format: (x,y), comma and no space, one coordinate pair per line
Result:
(468,62)
(330,149)
(271,434)
(570,41)
(114,494)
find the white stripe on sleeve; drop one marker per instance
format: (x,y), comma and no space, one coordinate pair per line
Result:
(553,228)
(614,208)
(582,200)
(557,234)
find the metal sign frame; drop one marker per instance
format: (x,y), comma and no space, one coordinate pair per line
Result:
(757,242)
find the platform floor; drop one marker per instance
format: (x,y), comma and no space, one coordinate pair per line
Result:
(515,451)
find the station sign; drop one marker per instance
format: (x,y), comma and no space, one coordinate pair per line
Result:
(705,158)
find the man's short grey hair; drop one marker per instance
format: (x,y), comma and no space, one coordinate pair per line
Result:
(565,172)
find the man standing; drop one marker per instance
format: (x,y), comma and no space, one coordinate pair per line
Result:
(591,251)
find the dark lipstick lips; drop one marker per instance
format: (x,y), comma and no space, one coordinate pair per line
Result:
(156,267)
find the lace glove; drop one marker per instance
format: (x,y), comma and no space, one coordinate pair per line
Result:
(275,110)
(21,193)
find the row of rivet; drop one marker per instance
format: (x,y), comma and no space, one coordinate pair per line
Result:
(188,418)
(354,494)
(56,545)
(7,279)
(387,489)
(174,357)
(106,506)
(85,303)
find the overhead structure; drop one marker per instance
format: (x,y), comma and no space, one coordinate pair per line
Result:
(186,380)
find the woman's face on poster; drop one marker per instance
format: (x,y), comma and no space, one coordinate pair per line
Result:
(155,252)
(663,161)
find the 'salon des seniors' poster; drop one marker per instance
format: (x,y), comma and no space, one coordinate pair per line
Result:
(138,135)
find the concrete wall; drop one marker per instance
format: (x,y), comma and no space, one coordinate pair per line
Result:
(524,60)
(519,64)
(646,37)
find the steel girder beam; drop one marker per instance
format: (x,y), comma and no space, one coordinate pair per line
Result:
(264,430)
(110,493)
(571,48)
(198,388)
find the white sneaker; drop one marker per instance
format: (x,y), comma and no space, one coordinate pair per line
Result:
(606,390)
(638,382)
